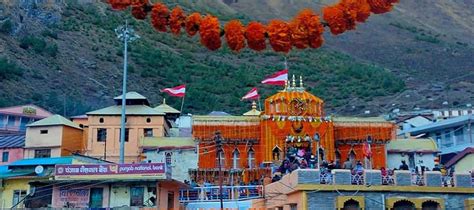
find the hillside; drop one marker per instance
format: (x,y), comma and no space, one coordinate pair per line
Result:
(68,56)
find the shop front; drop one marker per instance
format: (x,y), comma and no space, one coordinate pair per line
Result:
(115,185)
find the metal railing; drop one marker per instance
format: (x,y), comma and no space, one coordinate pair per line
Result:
(325,178)
(357,179)
(211,193)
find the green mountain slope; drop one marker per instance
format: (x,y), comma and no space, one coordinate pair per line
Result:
(72,64)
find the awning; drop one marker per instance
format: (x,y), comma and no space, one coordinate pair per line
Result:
(11,174)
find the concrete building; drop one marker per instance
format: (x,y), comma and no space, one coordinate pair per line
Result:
(14,119)
(103,128)
(451,135)
(11,148)
(415,152)
(26,183)
(463,162)
(179,153)
(146,185)
(54,136)
(303,189)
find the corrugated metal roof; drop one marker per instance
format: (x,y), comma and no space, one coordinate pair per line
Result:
(43,161)
(129,110)
(459,156)
(440,125)
(12,141)
(54,120)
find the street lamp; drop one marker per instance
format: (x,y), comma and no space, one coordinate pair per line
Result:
(125,34)
(317,138)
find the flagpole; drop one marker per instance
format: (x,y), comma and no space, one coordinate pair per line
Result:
(259,105)
(182,104)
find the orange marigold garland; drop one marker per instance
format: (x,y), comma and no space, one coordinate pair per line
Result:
(210,32)
(139,12)
(177,20)
(279,33)
(359,8)
(159,17)
(381,6)
(255,35)
(334,16)
(120,4)
(306,30)
(193,22)
(138,3)
(234,34)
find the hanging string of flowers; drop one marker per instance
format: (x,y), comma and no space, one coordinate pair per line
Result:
(305,30)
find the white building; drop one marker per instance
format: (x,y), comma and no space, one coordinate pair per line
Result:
(451,135)
(179,153)
(413,151)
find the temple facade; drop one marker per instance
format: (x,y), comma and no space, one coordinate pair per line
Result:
(292,119)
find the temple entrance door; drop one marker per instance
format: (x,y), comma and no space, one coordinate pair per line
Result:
(352,157)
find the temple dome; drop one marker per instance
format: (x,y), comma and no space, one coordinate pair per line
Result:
(294,101)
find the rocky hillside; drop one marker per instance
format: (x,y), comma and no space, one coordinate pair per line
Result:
(66,57)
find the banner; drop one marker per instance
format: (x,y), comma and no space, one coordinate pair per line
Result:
(94,171)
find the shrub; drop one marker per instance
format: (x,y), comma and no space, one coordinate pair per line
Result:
(6,27)
(9,69)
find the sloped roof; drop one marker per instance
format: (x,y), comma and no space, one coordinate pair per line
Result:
(129,110)
(18,110)
(54,120)
(12,141)
(165,108)
(131,95)
(459,156)
(418,121)
(42,161)
(412,145)
(452,122)
(168,142)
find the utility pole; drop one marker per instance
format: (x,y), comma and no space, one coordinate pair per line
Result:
(317,138)
(218,141)
(125,34)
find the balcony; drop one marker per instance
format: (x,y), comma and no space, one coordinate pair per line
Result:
(229,193)
(376,178)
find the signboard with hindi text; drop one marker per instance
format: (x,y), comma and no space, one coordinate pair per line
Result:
(110,171)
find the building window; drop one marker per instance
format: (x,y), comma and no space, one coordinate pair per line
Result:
(235,159)
(127,131)
(148,132)
(11,121)
(44,131)
(459,135)
(137,196)
(148,120)
(168,159)
(251,158)
(5,156)
(101,134)
(222,157)
(18,196)
(101,120)
(42,153)
(447,141)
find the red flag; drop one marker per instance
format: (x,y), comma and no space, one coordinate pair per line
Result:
(367,150)
(278,78)
(251,95)
(178,91)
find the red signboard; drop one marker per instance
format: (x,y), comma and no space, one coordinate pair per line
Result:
(146,169)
